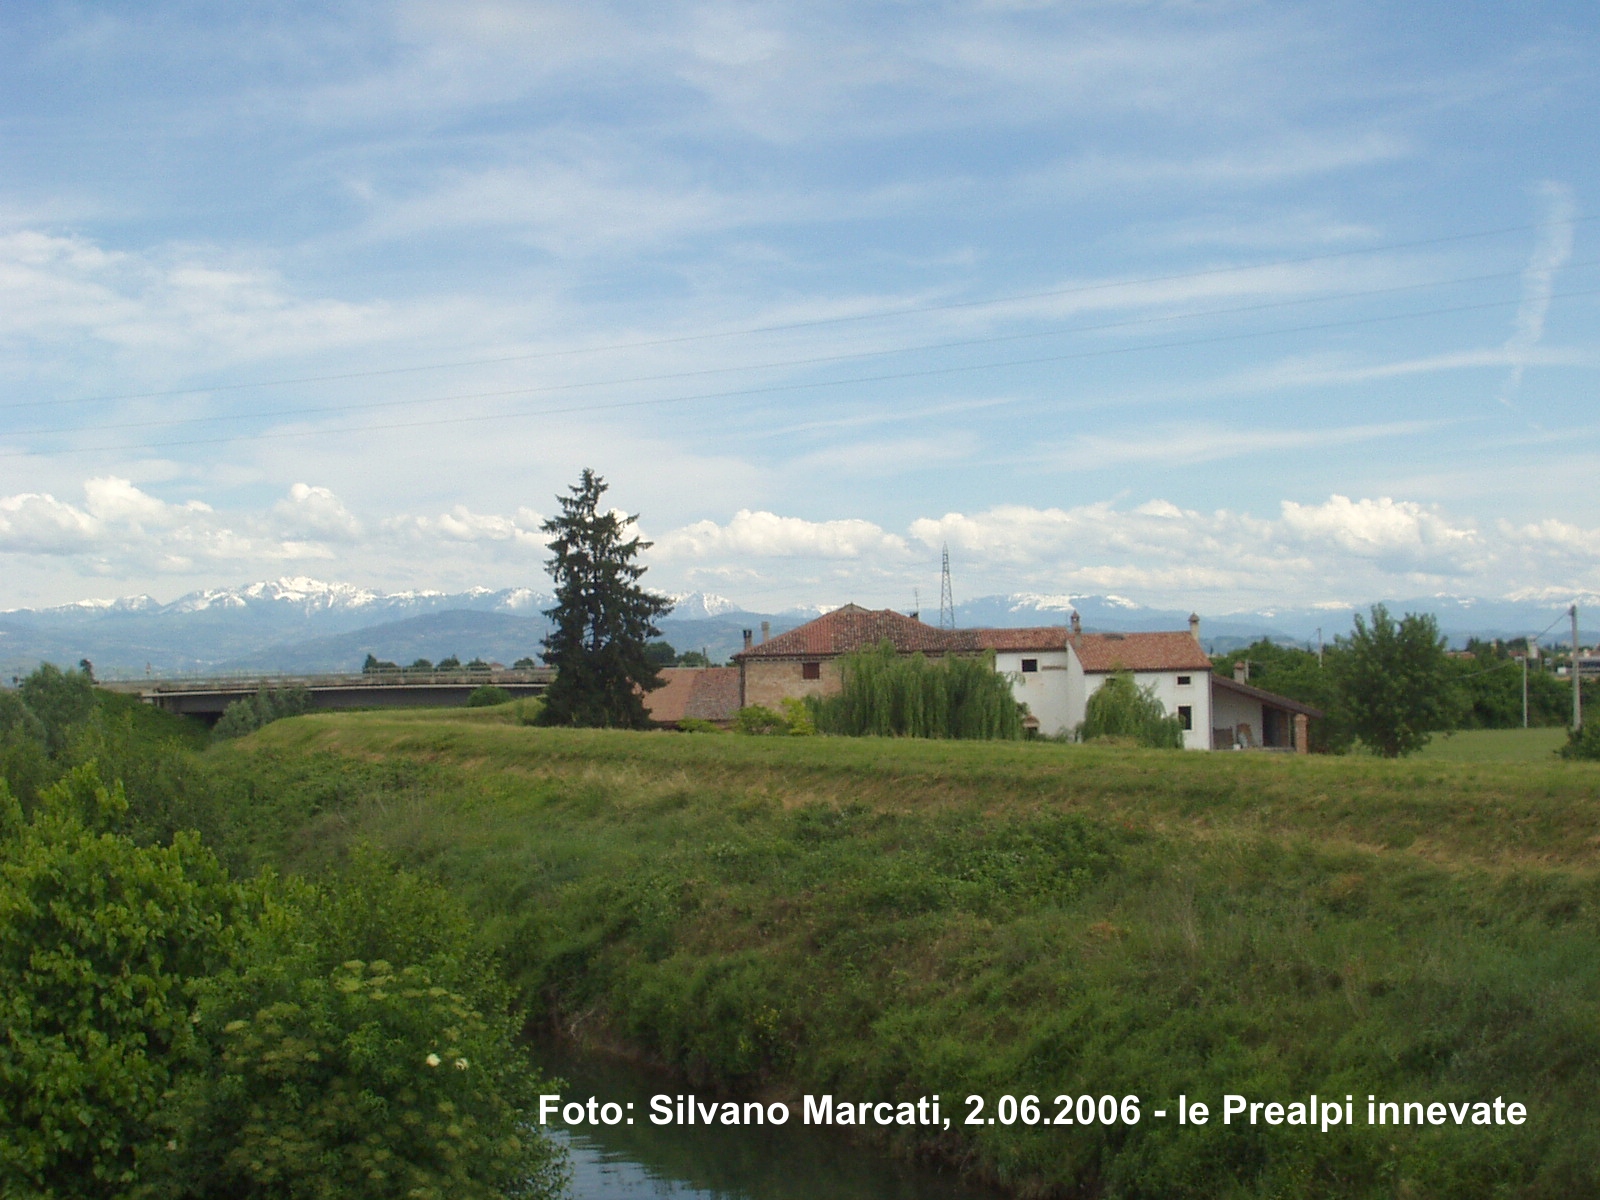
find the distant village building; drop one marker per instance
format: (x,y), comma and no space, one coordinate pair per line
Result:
(1054,670)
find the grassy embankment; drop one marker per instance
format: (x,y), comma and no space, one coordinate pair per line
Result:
(890,918)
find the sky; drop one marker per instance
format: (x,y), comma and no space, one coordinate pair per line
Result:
(1210,305)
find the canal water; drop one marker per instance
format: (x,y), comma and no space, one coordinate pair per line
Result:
(700,1162)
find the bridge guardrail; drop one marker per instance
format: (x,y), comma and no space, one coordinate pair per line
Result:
(367,679)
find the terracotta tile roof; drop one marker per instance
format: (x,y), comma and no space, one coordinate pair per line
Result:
(709,693)
(1102,652)
(852,628)
(1266,697)
(1042,637)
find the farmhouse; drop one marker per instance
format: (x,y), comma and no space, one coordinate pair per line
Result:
(1054,670)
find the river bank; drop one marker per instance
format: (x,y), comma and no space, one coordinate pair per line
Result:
(884,920)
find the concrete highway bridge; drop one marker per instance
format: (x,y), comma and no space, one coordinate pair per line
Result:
(206,698)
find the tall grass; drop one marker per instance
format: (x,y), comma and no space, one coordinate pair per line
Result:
(889,695)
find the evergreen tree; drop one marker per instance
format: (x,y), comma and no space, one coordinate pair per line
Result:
(602,616)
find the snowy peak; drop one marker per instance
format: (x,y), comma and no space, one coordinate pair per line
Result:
(140,603)
(522,600)
(310,595)
(700,606)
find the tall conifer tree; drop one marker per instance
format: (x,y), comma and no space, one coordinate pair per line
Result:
(602,616)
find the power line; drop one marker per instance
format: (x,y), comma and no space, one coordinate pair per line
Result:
(908,310)
(785,387)
(814,360)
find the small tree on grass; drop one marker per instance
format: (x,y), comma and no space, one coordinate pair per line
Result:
(1394,681)
(886,694)
(1122,709)
(602,617)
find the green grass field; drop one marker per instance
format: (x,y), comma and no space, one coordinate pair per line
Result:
(884,919)
(1496,745)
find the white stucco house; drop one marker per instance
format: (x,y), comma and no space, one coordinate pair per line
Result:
(1054,670)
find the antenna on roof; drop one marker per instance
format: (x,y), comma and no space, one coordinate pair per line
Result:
(916,604)
(947,602)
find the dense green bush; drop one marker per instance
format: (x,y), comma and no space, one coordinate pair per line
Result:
(886,694)
(104,945)
(1583,742)
(760,720)
(61,700)
(330,1073)
(488,696)
(171,1031)
(1121,709)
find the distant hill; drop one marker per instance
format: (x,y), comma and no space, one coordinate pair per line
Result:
(300,624)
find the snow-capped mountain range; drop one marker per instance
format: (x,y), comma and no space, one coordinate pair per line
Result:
(302,624)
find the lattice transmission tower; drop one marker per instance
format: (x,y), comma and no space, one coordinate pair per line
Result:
(947,601)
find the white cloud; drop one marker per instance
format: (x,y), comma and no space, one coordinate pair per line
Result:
(1378,528)
(56,288)
(767,535)
(1159,552)
(318,512)
(461,524)
(35,523)
(119,527)
(1550,254)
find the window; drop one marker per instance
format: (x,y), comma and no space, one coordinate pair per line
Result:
(1185,716)
(811,670)
(1183,680)
(1030,665)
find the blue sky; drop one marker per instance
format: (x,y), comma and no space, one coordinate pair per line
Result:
(1214,305)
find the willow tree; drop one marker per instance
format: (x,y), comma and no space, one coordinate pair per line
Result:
(602,617)
(886,694)
(1121,708)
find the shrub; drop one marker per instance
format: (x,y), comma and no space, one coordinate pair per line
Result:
(488,696)
(759,719)
(1583,743)
(798,715)
(331,1073)
(697,725)
(886,694)
(1121,709)
(172,1033)
(103,944)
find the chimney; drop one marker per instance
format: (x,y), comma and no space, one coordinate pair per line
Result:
(1077,623)
(1194,626)
(748,634)
(766,631)
(1241,671)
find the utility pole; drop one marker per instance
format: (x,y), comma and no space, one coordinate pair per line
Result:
(947,601)
(1319,645)
(1524,684)
(1577,680)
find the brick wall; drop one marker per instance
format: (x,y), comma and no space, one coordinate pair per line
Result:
(769,683)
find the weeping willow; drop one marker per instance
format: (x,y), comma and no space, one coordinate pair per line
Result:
(1120,708)
(889,695)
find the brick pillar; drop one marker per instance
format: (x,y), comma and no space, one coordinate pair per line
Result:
(1302,733)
